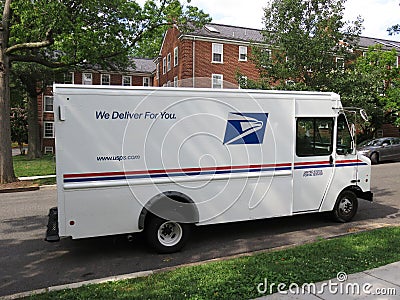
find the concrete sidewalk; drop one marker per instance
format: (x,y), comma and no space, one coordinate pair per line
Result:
(379,283)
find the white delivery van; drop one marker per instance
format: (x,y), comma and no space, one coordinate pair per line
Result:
(161,160)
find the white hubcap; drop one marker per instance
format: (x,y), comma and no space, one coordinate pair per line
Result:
(169,233)
(346,206)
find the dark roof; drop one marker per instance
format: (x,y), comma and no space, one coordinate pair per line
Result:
(143,65)
(365,42)
(228,32)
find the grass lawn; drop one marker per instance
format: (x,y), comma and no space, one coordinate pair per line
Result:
(36,167)
(238,278)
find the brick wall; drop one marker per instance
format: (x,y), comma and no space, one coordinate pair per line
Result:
(115,79)
(204,67)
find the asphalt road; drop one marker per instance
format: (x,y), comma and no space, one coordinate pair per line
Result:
(27,262)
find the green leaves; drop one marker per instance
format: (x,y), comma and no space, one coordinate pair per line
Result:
(373,83)
(306,36)
(90,32)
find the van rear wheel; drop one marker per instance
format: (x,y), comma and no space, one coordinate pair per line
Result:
(345,207)
(166,236)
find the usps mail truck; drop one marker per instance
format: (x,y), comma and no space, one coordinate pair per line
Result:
(161,160)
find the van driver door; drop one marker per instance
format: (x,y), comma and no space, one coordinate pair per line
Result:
(313,162)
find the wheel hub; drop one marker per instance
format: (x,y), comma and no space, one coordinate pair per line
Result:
(346,206)
(170,233)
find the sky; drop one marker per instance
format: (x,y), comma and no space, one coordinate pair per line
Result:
(378,15)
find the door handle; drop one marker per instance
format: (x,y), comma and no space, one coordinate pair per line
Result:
(331,160)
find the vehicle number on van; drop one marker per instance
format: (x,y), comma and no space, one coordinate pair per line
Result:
(313,173)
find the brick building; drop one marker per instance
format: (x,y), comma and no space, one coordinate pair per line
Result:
(209,57)
(214,55)
(141,74)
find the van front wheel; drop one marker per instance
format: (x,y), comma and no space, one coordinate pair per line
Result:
(166,236)
(345,207)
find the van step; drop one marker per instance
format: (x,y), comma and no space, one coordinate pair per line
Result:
(52,226)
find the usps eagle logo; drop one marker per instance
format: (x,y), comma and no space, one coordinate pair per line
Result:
(245,128)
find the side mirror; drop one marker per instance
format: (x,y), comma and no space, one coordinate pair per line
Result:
(385,145)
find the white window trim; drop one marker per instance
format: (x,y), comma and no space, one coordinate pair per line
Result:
(48,150)
(148,81)
(168,62)
(341,60)
(176,56)
(164,66)
(243,52)
(158,71)
(44,104)
(222,53)
(243,79)
(130,80)
(221,78)
(84,75)
(44,130)
(72,77)
(176,81)
(105,76)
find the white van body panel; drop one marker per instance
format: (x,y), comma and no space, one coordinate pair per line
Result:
(231,152)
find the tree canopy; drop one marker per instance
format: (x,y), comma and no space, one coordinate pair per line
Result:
(304,38)
(372,83)
(66,33)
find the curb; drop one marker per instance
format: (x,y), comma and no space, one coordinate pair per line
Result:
(25,189)
(29,189)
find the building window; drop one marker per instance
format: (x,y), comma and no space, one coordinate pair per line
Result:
(242,53)
(217,81)
(105,79)
(175,56)
(164,65)
(217,53)
(48,150)
(48,104)
(69,78)
(176,81)
(126,80)
(267,53)
(169,62)
(87,78)
(340,63)
(242,82)
(146,81)
(48,129)
(158,71)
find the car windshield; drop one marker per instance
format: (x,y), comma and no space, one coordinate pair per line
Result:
(371,143)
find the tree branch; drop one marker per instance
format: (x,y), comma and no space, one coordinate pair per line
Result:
(47,42)
(39,60)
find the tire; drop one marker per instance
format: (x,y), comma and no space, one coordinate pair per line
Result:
(166,236)
(345,207)
(374,158)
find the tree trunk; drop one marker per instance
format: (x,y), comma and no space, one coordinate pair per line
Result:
(34,149)
(6,162)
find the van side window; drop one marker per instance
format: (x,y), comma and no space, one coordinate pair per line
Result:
(344,139)
(314,136)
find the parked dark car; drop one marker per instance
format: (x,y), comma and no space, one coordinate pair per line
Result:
(387,148)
